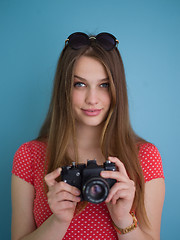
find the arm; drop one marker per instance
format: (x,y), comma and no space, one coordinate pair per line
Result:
(120,199)
(23,223)
(154,199)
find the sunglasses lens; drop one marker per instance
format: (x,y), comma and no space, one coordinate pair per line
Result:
(106,40)
(78,40)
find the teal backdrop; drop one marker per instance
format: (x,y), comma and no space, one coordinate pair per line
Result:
(32,34)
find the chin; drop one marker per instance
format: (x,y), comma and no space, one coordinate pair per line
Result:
(90,123)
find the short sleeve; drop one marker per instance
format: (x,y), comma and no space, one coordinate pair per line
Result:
(151,162)
(23,163)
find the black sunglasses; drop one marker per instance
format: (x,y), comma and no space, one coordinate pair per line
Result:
(79,39)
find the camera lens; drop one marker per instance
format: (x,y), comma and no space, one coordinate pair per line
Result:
(95,190)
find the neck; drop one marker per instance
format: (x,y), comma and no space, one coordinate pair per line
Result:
(88,144)
(88,137)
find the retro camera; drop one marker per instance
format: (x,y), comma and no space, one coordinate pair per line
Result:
(87,179)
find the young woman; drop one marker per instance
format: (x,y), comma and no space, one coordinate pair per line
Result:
(88,119)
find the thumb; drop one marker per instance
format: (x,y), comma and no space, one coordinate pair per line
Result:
(50,178)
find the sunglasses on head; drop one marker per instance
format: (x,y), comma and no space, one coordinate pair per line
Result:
(79,39)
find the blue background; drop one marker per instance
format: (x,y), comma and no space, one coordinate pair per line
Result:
(32,34)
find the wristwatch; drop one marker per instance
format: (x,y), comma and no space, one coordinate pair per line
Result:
(127,229)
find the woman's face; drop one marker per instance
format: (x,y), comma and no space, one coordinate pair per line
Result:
(91,94)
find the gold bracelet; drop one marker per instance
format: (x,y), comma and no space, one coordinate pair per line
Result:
(128,229)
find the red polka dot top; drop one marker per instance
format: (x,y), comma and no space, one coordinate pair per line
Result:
(94,221)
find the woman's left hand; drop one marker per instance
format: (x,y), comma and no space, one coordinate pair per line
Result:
(121,195)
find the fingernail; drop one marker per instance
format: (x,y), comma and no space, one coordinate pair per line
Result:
(103,174)
(77,192)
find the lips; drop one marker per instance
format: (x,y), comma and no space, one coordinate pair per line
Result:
(91,112)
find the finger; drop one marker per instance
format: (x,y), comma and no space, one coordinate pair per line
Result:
(57,209)
(117,187)
(123,194)
(62,186)
(50,178)
(114,175)
(65,205)
(66,196)
(119,164)
(118,195)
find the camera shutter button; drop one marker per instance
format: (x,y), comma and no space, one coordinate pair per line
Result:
(107,161)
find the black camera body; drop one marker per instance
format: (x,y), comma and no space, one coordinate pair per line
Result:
(87,179)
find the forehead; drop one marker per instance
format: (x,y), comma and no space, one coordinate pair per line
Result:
(88,67)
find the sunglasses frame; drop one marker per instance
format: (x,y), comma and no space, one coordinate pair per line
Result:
(89,39)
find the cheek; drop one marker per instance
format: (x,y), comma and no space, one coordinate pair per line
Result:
(106,98)
(76,98)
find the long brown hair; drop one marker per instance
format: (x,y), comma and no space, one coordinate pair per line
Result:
(118,138)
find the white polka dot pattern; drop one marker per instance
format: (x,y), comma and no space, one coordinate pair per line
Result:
(94,221)
(28,164)
(151,162)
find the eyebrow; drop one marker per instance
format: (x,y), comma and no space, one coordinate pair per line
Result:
(83,79)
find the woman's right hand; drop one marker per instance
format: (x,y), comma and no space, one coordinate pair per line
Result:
(62,197)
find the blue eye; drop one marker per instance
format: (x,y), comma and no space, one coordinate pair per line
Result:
(79,84)
(105,85)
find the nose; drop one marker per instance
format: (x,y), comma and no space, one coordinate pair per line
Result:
(91,97)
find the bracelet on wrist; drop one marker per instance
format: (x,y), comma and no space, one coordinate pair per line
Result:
(129,228)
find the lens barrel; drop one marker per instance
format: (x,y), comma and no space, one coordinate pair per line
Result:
(95,190)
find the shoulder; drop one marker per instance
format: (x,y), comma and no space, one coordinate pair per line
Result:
(148,150)
(28,159)
(31,148)
(151,162)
